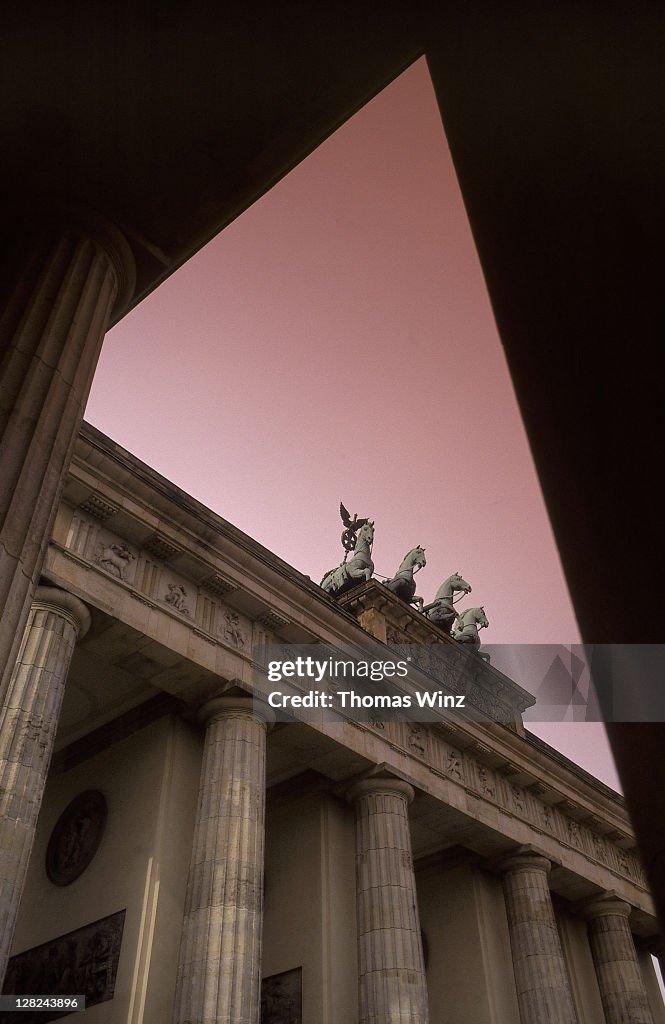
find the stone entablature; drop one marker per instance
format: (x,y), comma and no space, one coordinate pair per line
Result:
(211,570)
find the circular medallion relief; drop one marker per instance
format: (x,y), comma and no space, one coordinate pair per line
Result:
(76,837)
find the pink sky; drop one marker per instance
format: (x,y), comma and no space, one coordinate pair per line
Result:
(336,342)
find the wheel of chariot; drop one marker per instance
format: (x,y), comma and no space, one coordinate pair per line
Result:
(349,540)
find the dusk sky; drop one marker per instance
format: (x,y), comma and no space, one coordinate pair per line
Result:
(336,342)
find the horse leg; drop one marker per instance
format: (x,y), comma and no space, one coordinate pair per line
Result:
(333,580)
(359,571)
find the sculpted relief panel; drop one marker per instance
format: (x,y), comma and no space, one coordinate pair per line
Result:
(176,597)
(233,630)
(115,558)
(88,539)
(153,582)
(82,962)
(486,782)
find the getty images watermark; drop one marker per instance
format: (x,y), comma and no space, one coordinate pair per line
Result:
(412,682)
(326,676)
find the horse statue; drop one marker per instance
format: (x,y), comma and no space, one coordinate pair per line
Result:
(357,570)
(466,629)
(403,584)
(442,609)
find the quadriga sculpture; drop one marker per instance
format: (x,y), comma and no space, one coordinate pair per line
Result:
(358,569)
(466,629)
(442,609)
(403,584)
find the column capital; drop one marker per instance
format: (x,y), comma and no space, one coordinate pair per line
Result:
(86,223)
(607,905)
(523,859)
(114,243)
(236,707)
(380,784)
(65,604)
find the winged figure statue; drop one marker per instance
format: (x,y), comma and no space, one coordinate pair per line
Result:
(351,527)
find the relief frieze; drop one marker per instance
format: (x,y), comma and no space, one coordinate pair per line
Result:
(151,582)
(447,762)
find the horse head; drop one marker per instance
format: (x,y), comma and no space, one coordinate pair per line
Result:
(417,556)
(366,534)
(459,583)
(481,618)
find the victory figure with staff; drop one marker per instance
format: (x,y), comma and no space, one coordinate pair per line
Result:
(358,537)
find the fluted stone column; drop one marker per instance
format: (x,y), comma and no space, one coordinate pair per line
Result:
(620,980)
(28,723)
(219,970)
(543,988)
(51,331)
(393,989)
